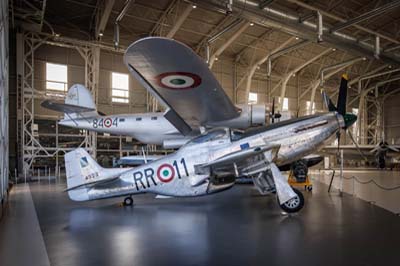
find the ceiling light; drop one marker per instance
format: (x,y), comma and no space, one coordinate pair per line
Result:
(57,35)
(334,49)
(101,34)
(194,6)
(216,59)
(251,24)
(297,38)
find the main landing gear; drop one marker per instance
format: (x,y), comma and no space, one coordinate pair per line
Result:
(128,201)
(264,182)
(293,205)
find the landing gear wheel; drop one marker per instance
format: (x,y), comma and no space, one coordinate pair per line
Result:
(128,201)
(295,204)
(309,188)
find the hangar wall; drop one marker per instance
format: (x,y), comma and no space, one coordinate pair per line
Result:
(392,119)
(3,102)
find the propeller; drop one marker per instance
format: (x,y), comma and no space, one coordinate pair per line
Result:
(274,115)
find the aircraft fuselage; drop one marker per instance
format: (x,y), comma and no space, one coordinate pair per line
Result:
(175,174)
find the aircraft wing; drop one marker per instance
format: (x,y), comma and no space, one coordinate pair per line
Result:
(181,81)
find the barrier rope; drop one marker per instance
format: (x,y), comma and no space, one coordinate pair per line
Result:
(371,181)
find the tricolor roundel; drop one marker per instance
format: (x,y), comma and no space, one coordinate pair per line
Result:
(107,122)
(178,80)
(165,173)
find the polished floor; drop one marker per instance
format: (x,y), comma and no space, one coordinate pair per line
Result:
(236,227)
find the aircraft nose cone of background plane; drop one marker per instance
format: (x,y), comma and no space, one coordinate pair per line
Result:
(349,119)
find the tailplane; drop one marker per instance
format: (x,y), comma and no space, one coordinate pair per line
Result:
(78,104)
(79,96)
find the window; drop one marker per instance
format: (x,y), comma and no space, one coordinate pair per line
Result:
(308,108)
(120,87)
(138,119)
(253,97)
(285,104)
(154,118)
(56,77)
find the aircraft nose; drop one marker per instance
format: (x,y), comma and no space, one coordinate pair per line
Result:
(349,119)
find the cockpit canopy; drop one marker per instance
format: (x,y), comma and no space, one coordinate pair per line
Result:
(211,135)
(217,134)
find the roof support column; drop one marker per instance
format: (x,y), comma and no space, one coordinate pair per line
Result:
(260,62)
(286,79)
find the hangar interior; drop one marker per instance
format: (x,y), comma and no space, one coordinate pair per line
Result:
(260,51)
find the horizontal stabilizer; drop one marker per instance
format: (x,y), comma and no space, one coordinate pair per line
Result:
(65,108)
(92,184)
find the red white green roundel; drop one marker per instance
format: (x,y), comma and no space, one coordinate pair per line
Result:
(178,80)
(165,173)
(108,122)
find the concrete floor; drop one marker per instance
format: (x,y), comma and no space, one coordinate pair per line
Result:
(236,227)
(381,188)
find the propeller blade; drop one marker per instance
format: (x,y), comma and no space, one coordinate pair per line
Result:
(273,110)
(338,143)
(341,102)
(390,147)
(355,143)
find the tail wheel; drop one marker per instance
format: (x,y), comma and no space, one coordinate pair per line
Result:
(128,201)
(295,204)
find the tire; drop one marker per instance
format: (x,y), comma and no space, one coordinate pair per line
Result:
(128,201)
(295,204)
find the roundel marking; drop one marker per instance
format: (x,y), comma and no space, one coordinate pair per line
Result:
(178,80)
(165,173)
(107,122)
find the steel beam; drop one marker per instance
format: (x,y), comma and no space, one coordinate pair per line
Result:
(377,11)
(286,79)
(339,67)
(180,21)
(228,42)
(260,62)
(102,17)
(282,52)
(273,18)
(332,16)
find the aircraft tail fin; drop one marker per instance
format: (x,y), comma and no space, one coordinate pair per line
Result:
(78,95)
(81,170)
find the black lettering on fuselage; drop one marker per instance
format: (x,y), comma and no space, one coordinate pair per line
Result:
(138,176)
(149,174)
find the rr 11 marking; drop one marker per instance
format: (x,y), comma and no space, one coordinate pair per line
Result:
(165,173)
(105,122)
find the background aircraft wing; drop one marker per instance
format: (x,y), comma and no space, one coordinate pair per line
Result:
(181,81)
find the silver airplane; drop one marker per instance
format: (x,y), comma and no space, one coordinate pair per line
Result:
(210,162)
